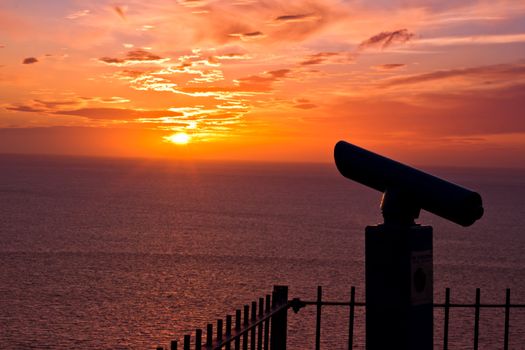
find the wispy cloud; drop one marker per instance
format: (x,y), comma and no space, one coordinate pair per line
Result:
(106,100)
(318,58)
(473,40)
(30,60)
(121,114)
(389,66)
(501,74)
(59,106)
(296,18)
(384,40)
(203,124)
(233,56)
(44,106)
(78,14)
(436,114)
(250,36)
(193,3)
(328,57)
(138,56)
(25,108)
(262,82)
(305,105)
(121,11)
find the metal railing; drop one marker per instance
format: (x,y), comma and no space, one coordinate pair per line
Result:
(264,324)
(447,305)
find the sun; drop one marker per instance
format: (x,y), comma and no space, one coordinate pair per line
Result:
(180,138)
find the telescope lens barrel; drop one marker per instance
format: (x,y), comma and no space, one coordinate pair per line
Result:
(423,190)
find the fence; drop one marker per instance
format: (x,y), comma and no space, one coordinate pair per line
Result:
(264,323)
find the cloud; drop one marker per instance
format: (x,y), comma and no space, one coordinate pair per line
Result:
(304,103)
(305,106)
(250,36)
(322,57)
(473,40)
(78,14)
(116,113)
(202,124)
(446,113)
(242,87)
(55,104)
(501,73)
(25,108)
(109,100)
(389,66)
(138,56)
(192,3)
(280,73)
(70,106)
(121,11)
(43,106)
(262,82)
(131,73)
(384,40)
(226,21)
(30,60)
(233,56)
(296,18)
(199,74)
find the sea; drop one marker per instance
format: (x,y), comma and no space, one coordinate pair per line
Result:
(99,253)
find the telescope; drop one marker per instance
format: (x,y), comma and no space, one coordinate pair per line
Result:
(398,253)
(413,189)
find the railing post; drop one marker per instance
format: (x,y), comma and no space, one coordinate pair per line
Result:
(260,327)
(279,320)
(246,319)
(253,331)
(198,339)
(351,319)
(507,311)
(187,340)
(209,336)
(219,331)
(446,317)
(237,328)
(476,319)
(318,318)
(228,331)
(267,306)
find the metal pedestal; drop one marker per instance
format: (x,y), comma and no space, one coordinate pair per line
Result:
(399,290)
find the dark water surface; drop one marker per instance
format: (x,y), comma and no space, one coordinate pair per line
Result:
(128,254)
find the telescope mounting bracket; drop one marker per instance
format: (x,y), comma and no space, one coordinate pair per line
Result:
(398,207)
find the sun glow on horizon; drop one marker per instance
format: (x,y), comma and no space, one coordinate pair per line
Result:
(437,80)
(180,138)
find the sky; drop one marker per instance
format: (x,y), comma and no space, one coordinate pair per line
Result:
(426,82)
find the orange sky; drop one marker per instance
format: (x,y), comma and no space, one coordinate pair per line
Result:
(428,82)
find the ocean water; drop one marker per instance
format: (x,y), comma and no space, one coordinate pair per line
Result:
(129,254)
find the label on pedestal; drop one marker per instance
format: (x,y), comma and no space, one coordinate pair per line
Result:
(421,277)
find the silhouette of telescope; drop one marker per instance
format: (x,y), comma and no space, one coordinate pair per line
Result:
(406,187)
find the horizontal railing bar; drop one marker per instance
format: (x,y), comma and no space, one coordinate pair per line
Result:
(238,333)
(347,303)
(333,303)
(481,305)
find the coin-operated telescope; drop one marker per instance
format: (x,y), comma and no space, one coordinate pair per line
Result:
(398,253)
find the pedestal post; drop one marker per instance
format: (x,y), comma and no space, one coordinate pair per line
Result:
(399,288)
